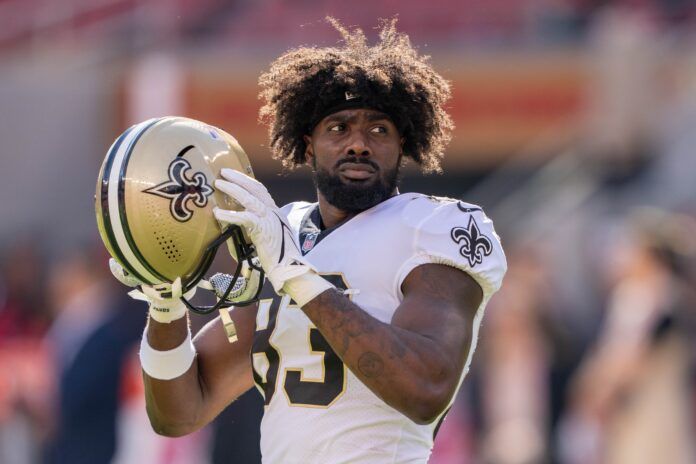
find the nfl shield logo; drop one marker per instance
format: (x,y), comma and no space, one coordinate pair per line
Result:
(309,241)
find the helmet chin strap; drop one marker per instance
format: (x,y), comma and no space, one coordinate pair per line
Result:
(228,288)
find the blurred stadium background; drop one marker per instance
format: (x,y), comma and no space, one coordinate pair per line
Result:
(576,130)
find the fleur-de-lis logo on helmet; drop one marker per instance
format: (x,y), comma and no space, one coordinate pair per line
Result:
(475,245)
(183,188)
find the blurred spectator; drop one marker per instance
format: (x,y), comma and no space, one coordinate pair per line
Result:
(633,397)
(95,328)
(514,366)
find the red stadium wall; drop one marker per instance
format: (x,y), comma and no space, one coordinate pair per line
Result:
(501,104)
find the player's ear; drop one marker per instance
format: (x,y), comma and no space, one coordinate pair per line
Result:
(309,149)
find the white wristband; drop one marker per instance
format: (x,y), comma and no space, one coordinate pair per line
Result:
(166,314)
(306,287)
(170,364)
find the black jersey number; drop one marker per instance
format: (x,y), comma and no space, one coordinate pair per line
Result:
(299,391)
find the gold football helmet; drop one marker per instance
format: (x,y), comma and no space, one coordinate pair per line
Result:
(155,200)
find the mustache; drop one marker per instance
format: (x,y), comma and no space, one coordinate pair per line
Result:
(356,160)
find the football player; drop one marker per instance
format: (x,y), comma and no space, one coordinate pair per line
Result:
(379,294)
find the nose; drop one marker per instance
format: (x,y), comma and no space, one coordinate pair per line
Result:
(357,145)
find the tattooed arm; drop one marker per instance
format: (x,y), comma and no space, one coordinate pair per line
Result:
(414,363)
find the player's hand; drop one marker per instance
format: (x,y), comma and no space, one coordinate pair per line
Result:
(277,250)
(164,300)
(275,243)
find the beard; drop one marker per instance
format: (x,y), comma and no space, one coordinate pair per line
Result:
(355,197)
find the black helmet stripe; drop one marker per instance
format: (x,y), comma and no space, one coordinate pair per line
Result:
(104,199)
(122,204)
(115,204)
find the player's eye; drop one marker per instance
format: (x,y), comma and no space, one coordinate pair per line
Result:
(379,130)
(337,127)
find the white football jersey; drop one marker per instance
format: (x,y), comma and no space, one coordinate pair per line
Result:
(316,410)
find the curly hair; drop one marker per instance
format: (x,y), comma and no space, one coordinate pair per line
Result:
(391,76)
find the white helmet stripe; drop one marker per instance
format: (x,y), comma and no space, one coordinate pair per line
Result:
(114,215)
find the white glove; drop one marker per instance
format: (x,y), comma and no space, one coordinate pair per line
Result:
(275,243)
(164,309)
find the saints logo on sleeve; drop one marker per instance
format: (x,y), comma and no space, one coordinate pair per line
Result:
(474,245)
